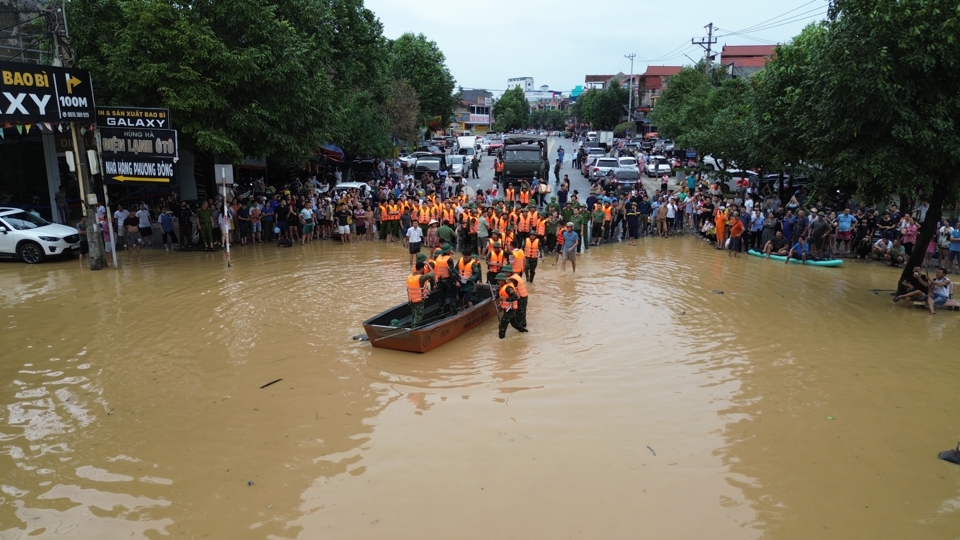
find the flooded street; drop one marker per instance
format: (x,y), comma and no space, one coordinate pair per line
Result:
(800,403)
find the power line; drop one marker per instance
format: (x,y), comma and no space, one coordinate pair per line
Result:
(751,28)
(685,45)
(21,23)
(816,12)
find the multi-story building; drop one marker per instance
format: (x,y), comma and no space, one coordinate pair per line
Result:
(653,82)
(475,113)
(525,83)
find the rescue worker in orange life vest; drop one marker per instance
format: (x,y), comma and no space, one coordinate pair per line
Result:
(496,260)
(417,292)
(516,279)
(507,300)
(468,275)
(445,272)
(533,254)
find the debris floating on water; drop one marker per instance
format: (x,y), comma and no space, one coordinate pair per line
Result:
(953,456)
(717,292)
(249,482)
(269,383)
(651,450)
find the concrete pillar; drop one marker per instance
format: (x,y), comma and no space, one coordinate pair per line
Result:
(53,170)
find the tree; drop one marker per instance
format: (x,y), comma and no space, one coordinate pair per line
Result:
(609,106)
(884,111)
(402,108)
(241,77)
(512,111)
(418,60)
(782,101)
(682,108)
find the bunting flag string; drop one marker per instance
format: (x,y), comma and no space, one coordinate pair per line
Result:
(27,127)
(20,130)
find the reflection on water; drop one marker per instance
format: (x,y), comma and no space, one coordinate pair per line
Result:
(796,404)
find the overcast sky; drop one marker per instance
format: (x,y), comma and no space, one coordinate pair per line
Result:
(558,42)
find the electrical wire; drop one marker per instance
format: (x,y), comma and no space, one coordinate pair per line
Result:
(752,28)
(793,19)
(21,23)
(677,52)
(25,49)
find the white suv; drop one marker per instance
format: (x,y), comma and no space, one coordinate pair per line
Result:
(31,238)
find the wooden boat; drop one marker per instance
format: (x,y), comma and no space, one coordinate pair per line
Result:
(433,331)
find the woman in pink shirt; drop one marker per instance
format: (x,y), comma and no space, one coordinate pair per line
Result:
(908,234)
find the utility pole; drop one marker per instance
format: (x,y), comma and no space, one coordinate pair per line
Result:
(64,57)
(707,45)
(631,56)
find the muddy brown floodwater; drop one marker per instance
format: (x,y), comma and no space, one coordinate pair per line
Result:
(798,404)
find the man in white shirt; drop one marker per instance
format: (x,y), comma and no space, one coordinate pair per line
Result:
(119,216)
(939,290)
(414,240)
(146,227)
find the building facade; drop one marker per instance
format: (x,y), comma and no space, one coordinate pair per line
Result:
(652,83)
(745,60)
(475,113)
(525,83)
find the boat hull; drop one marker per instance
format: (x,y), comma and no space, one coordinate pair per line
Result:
(431,335)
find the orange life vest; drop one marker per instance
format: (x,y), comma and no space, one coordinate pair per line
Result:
(448,215)
(525,222)
(508,240)
(607,213)
(415,291)
(532,249)
(443,266)
(511,194)
(524,197)
(519,284)
(474,225)
(560,236)
(506,304)
(518,260)
(466,271)
(497,260)
(542,227)
(393,212)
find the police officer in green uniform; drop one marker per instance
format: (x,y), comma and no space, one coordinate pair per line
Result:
(580,221)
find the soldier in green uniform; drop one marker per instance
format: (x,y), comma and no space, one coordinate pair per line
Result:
(549,243)
(468,275)
(506,300)
(580,221)
(521,316)
(552,206)
(567,212)
(417,292)
(446,272)
(597,225)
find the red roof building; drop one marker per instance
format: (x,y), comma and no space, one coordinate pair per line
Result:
(653,82)
(745,60)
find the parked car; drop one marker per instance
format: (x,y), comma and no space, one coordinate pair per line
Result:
(596,151)
(455,166)
(408,160)
(495,144)
(628,163)
(587,164)
(429,164)
(658,166)
(668,145)
(729,184)
(602,166)
(32,239)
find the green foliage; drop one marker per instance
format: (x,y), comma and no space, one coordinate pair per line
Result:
(602,109)
(402,108)
(260,78)
(418,60)
(624,128)
(681,110)
(511,111)
(552,119)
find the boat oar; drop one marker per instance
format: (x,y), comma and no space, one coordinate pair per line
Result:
(395,334)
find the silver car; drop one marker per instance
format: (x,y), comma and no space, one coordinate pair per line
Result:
(32,239)
(602,166)
(658,166)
